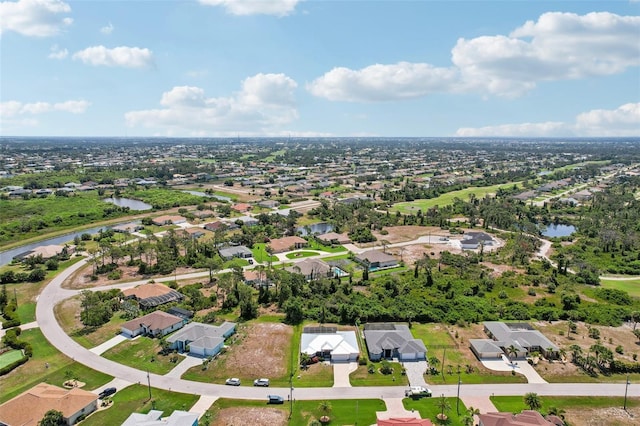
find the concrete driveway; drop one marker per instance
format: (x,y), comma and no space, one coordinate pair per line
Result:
(415,372)
(341,373)
(520,366)
(103,347)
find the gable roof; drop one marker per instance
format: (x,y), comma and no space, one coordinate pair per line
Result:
(28,408)
(339,342)
(518,334)
(391,337)
(156,320)
(202,335)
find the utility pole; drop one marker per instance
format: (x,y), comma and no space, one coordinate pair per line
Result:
(291,395)
(458,400)
(626,388)
(149,384)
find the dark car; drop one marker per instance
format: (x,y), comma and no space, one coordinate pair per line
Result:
(107,392)
(275,399)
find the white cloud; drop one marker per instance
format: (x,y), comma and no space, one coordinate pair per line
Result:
(622,121)
(255,7)
(56,53)
(16,108)
(264,104)
(383,82)
(34,18)
(559,46)
(107,29)
(123,56)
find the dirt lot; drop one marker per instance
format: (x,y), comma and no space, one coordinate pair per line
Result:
(243,416)
(262,350)
(613,416)
(399,234)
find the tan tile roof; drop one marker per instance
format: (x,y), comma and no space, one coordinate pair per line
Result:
(156,320)
(279,245)
(145,291)
(28,408)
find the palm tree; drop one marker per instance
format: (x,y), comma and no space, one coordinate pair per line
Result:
(555,411)
(532,400)
(443,405)
(325,408)
(468,419)
(512,351)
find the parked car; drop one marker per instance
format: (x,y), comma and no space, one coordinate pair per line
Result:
(417,392)
(107,392)
(234,381)
(275,399)
(250,261)
(261,382)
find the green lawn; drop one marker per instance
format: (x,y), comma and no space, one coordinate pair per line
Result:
(316,245)
(343,412)
(135,399)
(60,367)
(261,255)
(446,199)
(362,377)
(429,408)
(515,404)
(630,286)
(10,357)
(27,312)
(141,353)
(299,254)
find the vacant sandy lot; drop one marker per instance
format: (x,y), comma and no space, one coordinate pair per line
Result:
(261,351)
(243,416)
(399,234)
(613,416)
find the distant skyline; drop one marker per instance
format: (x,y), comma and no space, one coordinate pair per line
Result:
(253,68)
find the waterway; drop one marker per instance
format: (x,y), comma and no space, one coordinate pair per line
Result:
(204,194)
(558,230)
(136,205)
(8,255)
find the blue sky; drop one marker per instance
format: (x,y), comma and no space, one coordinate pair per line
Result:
(319,68)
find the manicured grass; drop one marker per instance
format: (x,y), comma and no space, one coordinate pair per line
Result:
(432,334)
(630,286)
(338,257)
(316,245)
(27,312)
(446,199)
(429,408)
(141,353)
(135,399)
(515,404)
(35,370)
(316,376)
(299,254)
(362,377)
(343,412)
(261,255)
(10,357)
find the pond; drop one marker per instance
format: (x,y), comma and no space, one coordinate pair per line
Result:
(316,228)
(204,194)
(558,230)
(128,202)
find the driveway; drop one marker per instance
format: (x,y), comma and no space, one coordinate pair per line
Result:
(341,373)
(395,409)
(186,363)
(415,372)
(520,366)
(103,347)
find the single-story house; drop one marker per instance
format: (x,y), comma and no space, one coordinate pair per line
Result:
(472,240)
(228,253)
(241,207)
(152,294)
(157,323)
(376,259)
(525,418)
(48,251)
(247,220)
(333,238)
(193,233)
(328,342)
(387,340)
(311,269)
(214,226)
(154,418)
(269,204)
(203,214)
(28,408)
(280,245)
(169,219)
(522,336)
(202,339)
(485,348)
(127,228)
(255,278)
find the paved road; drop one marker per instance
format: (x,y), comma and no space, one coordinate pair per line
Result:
(54,293)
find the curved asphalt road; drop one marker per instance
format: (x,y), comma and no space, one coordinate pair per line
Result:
(53,293)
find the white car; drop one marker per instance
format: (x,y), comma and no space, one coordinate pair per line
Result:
(261,382)
(234,381)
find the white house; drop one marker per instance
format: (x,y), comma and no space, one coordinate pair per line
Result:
(328,342)
(202,339)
